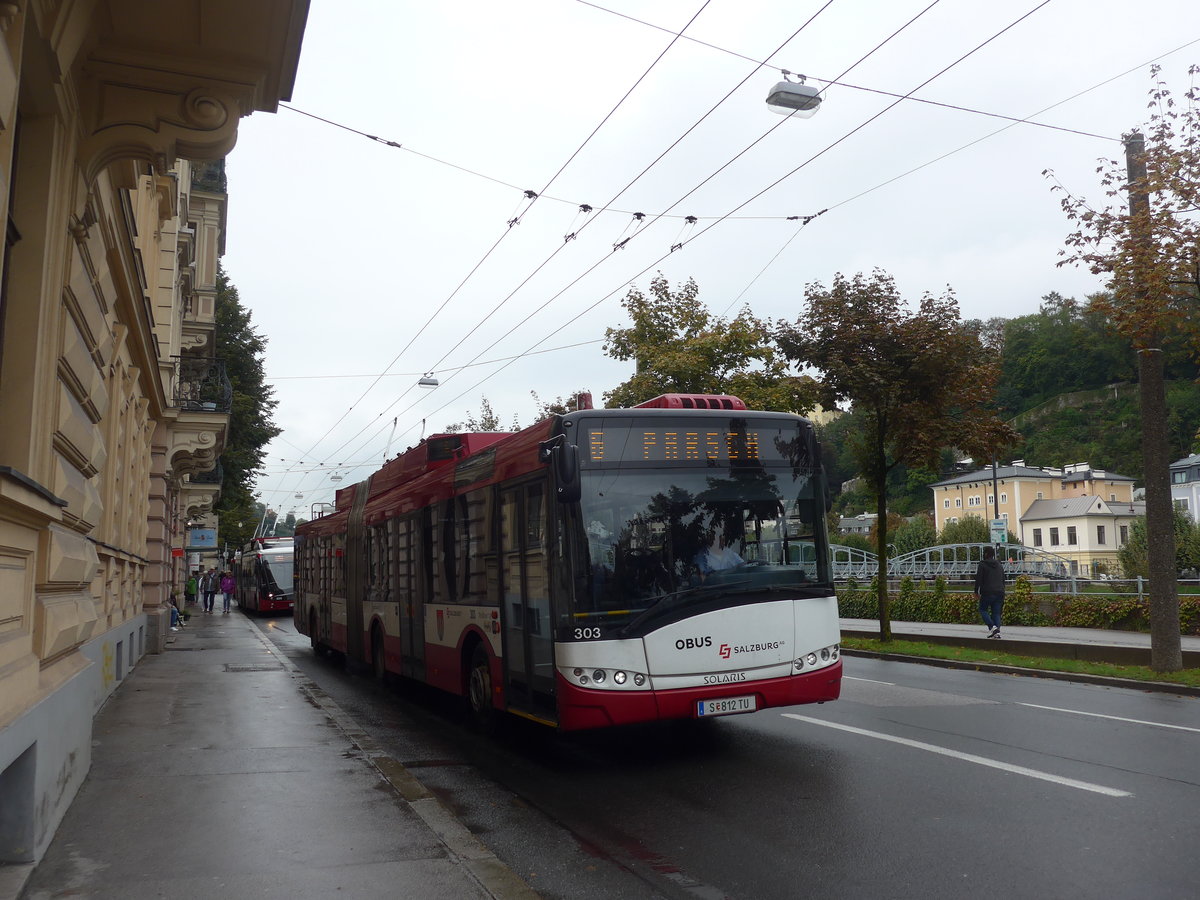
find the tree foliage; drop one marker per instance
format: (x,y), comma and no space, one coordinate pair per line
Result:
(967,530)
(1133,553)
(251,419)
(678,346)
(487,420)
(1150,251)
(1146,239)
(919,381)
(916,533)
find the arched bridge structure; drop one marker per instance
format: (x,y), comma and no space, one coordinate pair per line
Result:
(956,562)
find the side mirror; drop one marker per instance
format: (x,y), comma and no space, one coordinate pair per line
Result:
(566,473)
(564,458)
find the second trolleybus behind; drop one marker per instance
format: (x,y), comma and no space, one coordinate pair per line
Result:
(599,568)
(264,575)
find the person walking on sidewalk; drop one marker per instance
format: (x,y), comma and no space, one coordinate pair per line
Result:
(989,590)
(227,585)
(208,586)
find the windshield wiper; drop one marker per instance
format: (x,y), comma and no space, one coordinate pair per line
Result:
(675,598)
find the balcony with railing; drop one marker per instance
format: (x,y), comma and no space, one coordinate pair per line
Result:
(201,385)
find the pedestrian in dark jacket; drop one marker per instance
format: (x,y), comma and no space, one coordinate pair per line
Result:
(209,585)
(989,590)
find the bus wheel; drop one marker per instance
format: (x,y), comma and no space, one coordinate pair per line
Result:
(479,692)
(317,647)
(378,666)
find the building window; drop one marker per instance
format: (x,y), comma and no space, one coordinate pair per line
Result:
(952,519)
(1037,537)
(1072,540)
(972,501)
(1004,516)
(1039,496)
(1004,498)
(1179,477)
(946,503)
(1124,535)
(1181,503)
(1100,535)
(1053,537)
(958,502)
(1112,498)
(991,499)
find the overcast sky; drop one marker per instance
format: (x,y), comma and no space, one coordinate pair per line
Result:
(367,265)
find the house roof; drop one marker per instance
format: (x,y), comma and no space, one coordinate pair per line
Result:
(1001,472)
(1192,460)
(1029,473)
(1075,507)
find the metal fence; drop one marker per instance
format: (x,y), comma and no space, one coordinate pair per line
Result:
(956,563)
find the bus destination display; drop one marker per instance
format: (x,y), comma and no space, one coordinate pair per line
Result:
(669,444)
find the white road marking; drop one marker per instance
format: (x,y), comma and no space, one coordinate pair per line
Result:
(1079,712)
(872,680)
(968,757)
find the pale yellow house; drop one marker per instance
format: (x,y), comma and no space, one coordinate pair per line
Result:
(1087,531)
(1011,491)
(112,406)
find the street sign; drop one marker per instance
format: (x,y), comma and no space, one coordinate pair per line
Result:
(999,531)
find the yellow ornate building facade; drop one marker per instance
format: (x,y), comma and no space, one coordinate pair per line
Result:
(114,117)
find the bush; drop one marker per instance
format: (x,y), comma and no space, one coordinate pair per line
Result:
(922,602)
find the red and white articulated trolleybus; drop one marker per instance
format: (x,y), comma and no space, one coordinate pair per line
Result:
(263,572)
(602,567)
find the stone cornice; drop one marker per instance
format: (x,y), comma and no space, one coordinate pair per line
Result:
(198,499)
(197,439)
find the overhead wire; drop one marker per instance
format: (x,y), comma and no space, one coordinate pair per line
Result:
(705,180)
(1014,122)
(533,196)
(775,183)
(966,146)
(689,220)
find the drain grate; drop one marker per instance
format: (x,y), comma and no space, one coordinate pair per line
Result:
(267,667)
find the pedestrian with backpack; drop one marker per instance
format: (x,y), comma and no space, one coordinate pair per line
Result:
(989,590)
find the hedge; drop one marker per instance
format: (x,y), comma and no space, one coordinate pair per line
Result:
(930,602)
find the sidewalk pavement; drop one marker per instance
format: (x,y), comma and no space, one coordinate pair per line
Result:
(1128,648)
(220,770)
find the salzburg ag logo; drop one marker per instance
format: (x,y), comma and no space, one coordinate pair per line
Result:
(727,650)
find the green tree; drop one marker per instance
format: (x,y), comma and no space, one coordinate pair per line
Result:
(678,346)
(919,381)
(486,421)
(558,406)
(1145,239)
(251,417)
(1133,554)
(967,530)
(916,533)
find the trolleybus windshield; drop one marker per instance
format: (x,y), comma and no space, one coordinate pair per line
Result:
(676,518)
(277,568)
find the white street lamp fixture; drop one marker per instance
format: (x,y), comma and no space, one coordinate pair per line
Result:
(428,381)
(794,98)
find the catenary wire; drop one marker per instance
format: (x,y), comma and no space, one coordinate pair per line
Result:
(750,200)
(533,199)
(966,146)
(769,187)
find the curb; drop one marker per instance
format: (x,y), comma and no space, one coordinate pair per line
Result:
(492,875)
(995,668)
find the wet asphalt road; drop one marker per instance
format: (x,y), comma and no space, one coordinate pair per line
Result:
(920,782)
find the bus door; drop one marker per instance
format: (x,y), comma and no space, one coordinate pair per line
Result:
(525,586)
(412,607)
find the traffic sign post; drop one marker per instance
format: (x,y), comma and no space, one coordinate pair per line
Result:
(999,530)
